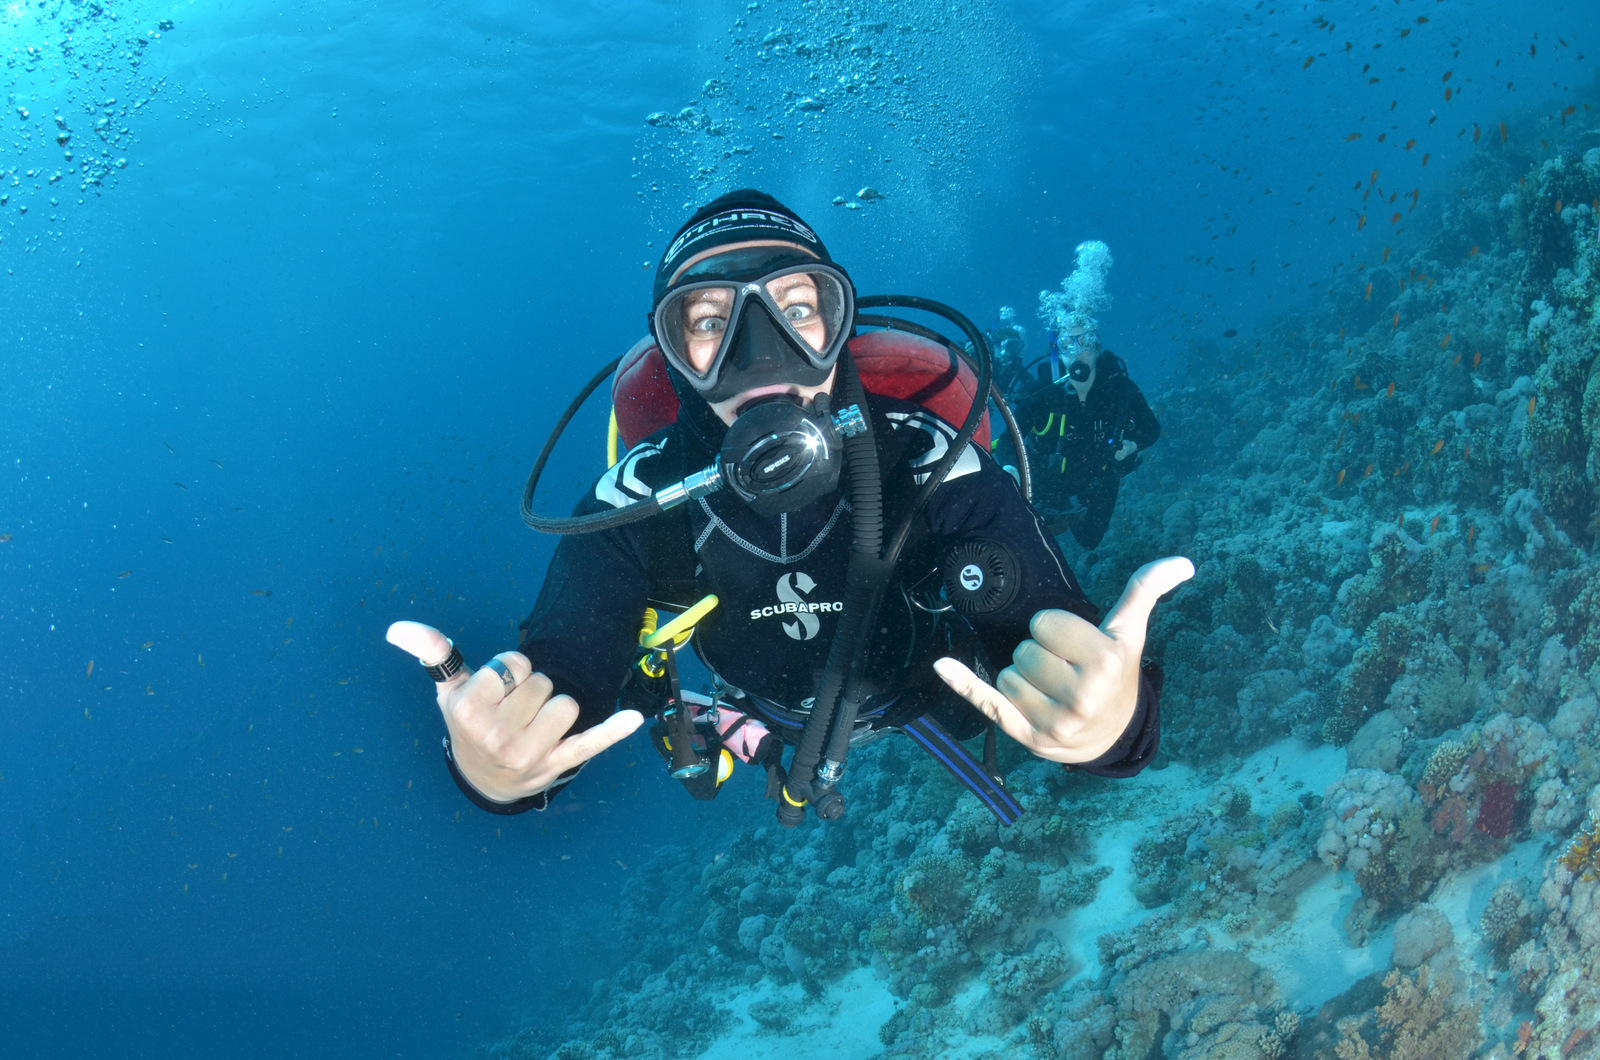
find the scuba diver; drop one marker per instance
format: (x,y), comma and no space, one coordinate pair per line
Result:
(1009,343)
(847,560)
(1085,424)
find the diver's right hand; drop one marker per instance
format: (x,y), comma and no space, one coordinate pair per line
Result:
(509,744)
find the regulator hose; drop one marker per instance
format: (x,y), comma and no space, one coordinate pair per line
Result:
(866,575)
(830,804)
(1024,470)
(579,524)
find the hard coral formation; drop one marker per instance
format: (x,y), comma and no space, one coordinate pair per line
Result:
(1418,1020)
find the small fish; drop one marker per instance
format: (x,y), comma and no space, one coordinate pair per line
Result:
(201,659)
(1385,256)
(90,671)
(1466,452)
(1476,132)
(1456,361)
(1340,481)
(1410,144)
(1502,132)
(1531,402)
(1425,157)
(171,450)
(1433,525)
(4,538)
(219,464)
(1369,290)
(1307,64)
(168,540)
(1361,222)
(1447,94)
(180,485)
(1477,356)
(1437,446)
(1395,323)
(1352,137)
(1395,219)
(566,857)
(619,864)
(125,574)
(149,690)
(146,646)
(1473,252)
(1444,341)
(1471,530)
(1558,207)
(1446,77)
(1482,568)
(1230,333)
(1390,391)
(1367,472)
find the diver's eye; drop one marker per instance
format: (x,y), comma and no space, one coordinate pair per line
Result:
(707,325)
(800,312)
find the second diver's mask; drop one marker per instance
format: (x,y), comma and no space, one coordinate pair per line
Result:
(1079,350)
(755,317)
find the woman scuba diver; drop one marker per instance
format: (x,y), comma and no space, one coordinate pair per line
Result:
(851,559)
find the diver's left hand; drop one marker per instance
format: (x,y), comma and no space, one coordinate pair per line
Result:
(1126,449)
(1072,688)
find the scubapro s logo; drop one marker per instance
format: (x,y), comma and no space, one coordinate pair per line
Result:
(806,624)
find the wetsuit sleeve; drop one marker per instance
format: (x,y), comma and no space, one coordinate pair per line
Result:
(985,504)
(584,627)
(1144,429)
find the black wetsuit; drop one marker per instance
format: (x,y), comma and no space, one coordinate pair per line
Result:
(781,584)
(1072,442)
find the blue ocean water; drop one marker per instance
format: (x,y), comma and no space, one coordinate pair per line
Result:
(293,293)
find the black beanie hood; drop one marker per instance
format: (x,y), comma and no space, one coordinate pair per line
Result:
(737,217)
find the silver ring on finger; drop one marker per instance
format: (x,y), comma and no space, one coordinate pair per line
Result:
(506,679)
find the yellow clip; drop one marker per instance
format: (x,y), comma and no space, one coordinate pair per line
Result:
(613,433)
(684,624)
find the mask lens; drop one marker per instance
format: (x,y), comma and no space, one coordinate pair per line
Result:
(693,324)
(812,304)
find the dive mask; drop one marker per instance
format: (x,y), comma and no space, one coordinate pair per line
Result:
(755,317)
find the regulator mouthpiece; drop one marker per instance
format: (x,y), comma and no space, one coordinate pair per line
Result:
(778,457)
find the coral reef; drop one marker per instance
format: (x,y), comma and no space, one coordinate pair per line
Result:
(1417,1021)
(1394,517)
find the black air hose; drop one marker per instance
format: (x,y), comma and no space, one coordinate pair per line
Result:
(865,577)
